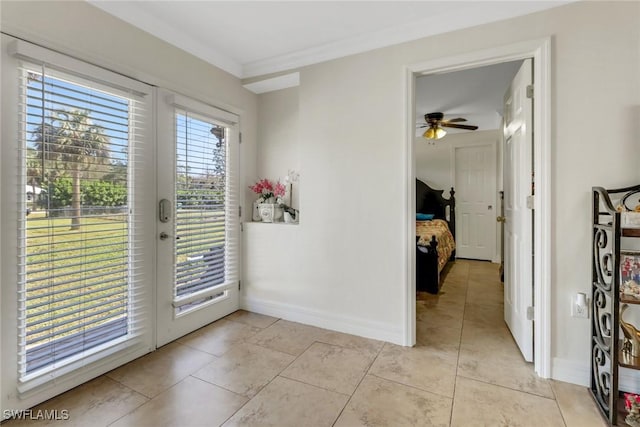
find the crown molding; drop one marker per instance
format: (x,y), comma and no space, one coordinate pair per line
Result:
(456,16)
(129,12)
(451,20)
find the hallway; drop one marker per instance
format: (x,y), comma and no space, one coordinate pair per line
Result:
(248,369)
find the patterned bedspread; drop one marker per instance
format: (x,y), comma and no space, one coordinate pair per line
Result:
(439,228)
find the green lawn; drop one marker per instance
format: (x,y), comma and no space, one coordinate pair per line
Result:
(79,275)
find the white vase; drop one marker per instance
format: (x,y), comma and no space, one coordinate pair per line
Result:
(266,212)
(270,212)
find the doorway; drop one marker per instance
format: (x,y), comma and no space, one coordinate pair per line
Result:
(539,51)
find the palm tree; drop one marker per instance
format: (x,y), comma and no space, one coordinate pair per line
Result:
(72,142)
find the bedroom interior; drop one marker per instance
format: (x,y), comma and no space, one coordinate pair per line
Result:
(331,116)
(477,93)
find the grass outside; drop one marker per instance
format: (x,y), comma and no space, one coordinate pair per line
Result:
(80,277)
(74,277)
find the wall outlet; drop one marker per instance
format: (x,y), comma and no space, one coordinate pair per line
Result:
(580,306)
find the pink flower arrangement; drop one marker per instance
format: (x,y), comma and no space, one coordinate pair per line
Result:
(632,405)
(267,189)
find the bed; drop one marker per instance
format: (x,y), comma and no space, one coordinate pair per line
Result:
(435,238)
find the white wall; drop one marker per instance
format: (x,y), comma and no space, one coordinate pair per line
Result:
(352,111)
(277,146)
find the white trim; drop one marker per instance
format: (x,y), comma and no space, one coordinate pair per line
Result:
(39,55)
(578,373)
(322,319)
(275,83)
(540,51)
(409,290)
(570,371)
(200,107)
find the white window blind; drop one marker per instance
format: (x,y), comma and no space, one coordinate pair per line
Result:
(79,274)
(206,247)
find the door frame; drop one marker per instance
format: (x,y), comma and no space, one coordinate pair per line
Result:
(540,51)
(494,151)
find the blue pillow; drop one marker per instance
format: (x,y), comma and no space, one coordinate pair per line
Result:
(424,217)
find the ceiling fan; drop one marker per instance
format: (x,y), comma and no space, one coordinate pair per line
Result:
(436,121)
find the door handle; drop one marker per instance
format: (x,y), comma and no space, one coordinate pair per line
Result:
(165,236)
(501,219)
(164,210)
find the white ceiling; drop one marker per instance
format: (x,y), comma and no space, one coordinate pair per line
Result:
(475,94)
(253,38)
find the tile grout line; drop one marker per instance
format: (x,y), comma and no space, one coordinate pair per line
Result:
(271,380)
(555,397)
(358,385)
(413,387)
(455,381)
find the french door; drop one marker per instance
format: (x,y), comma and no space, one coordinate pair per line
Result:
(77,263)
(198,215)
(106,230)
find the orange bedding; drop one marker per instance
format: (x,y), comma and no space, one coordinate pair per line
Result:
(438,227)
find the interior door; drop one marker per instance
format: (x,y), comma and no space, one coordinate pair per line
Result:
(198,215)
(475,183)
(518,226)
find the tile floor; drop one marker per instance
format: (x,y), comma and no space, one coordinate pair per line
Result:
(249,369)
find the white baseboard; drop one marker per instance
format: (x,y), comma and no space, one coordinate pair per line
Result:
(570,371)
(322,319)
(579,373)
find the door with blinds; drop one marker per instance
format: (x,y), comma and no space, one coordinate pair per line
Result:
(77,266)
(198,215)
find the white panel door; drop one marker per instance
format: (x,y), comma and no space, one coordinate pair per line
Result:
(475,184)
(518,253)
(198,216)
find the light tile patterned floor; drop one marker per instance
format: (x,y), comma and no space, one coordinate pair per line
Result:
(249,369)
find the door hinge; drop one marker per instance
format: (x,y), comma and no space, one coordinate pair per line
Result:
(530,313)
(530,91)
(531,202)
(240,137)
(241,226)
(240,211)
(239,284)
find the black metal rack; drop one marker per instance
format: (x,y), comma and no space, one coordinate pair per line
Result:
(606,346)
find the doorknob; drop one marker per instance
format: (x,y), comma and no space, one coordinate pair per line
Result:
(501,219)
(165,236)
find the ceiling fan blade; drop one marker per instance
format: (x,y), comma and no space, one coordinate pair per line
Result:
(453,125)
(456,120)
(423,126)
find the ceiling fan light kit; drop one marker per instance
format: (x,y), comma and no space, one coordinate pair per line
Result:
(434,132)
(436,121)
